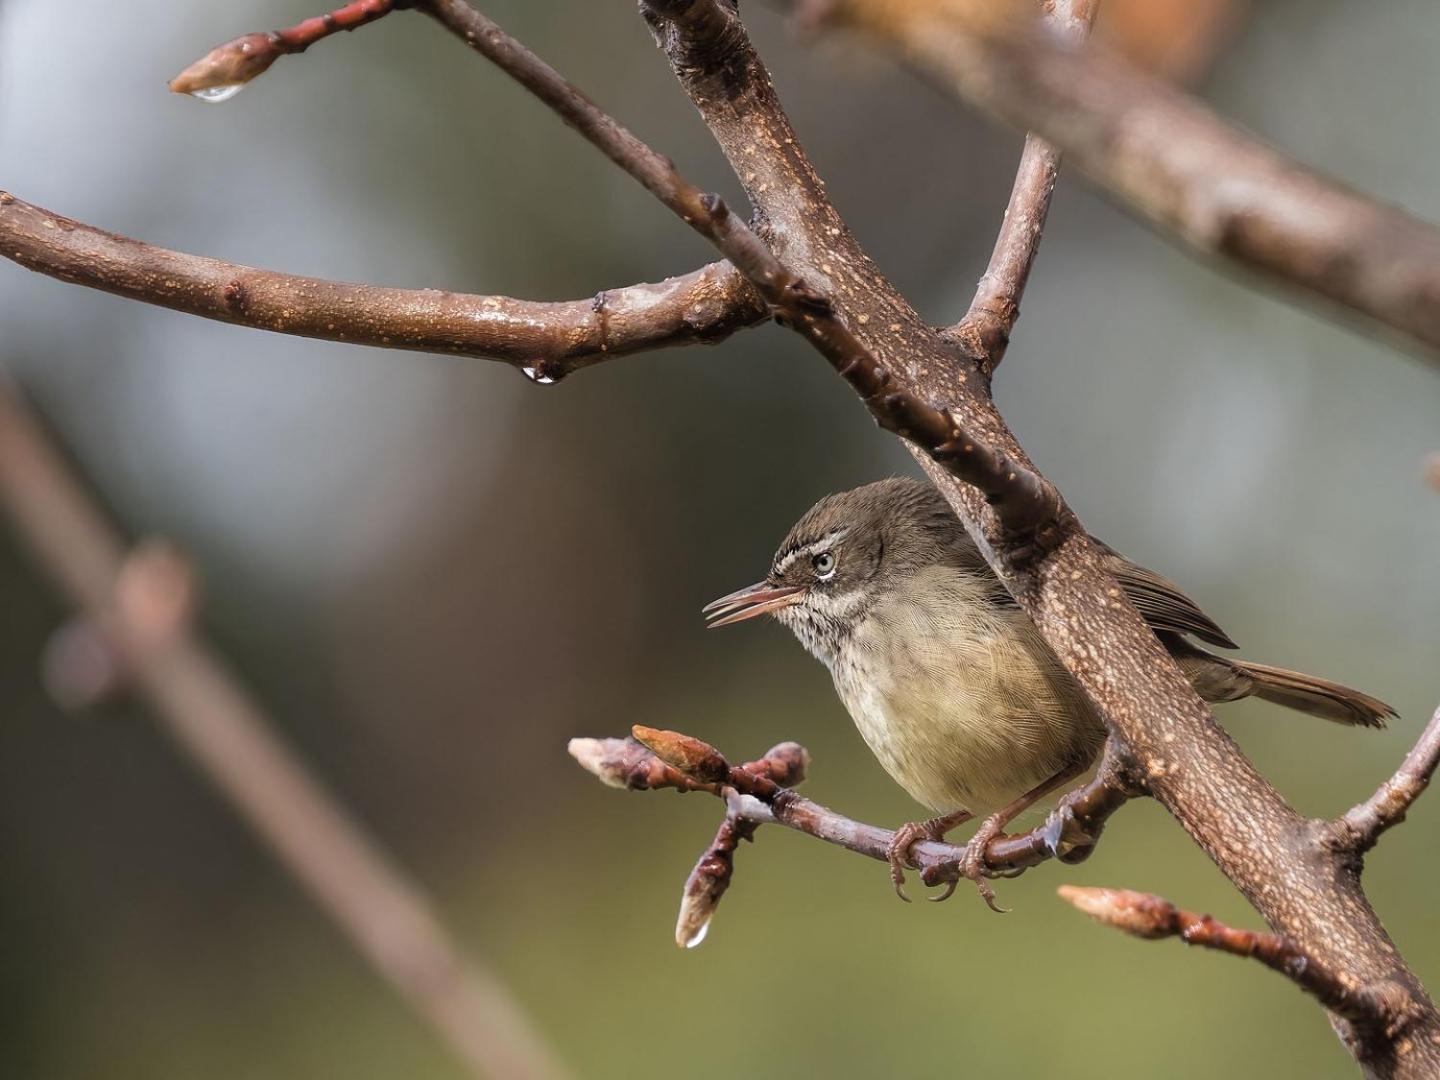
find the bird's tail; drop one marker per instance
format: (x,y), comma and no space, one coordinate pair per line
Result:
(1318,697)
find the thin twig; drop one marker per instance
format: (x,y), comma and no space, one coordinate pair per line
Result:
(987,326)
(545,340)
(1145,915)
(222,71)
(140,603)
(1360,827)
(654,760)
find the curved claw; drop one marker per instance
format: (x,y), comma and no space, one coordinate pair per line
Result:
(949,892)
(988,895)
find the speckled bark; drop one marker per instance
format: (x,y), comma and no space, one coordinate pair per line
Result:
(1196,771)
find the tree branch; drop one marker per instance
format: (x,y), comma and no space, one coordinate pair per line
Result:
(1190,764)
(654,760)
(1171,160)
(986,327)
(140,603)
(1359,829)
(545,340)
(1144,915)
(1025,505)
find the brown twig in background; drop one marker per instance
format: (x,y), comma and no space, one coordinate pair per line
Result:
(1360,827)
(1171,160)
(654,760)
(140,602)
(225,69)
(1145,915)
(546,340)
(987,325)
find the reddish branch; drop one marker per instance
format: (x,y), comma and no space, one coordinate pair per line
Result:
(654,760)
(1171,159)
(547,340)
(230,66)
(1144,915)
(140,603)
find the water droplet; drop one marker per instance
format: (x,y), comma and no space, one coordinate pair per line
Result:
(698,936)
(216,94)
(541,378)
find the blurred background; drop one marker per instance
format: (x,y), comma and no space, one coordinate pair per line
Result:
(435,573)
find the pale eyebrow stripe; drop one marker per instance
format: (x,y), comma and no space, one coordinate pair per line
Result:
(814,547)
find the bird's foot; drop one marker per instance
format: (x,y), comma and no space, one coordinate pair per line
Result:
(910,834)
(973,866)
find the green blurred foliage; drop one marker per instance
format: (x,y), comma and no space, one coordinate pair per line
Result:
(435,574)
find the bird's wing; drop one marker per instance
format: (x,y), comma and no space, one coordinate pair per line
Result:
(1160,600)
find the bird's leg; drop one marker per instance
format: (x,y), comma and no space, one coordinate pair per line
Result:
(972,866)
(910,834)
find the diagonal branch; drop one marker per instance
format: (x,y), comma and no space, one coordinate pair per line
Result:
(986,327)
(1170,159)
(1025,504)
(545,340)
(1359,829)
(140,602)
(1143,915)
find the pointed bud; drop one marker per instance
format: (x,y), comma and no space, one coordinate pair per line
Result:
(1137,913)
(692,757)
(224,70)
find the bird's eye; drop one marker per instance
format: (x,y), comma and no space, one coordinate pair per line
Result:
(824,564)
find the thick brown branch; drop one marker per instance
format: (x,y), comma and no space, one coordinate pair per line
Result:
(1151,917)
(545,340)
(140,603)
(1189,763)
(987,326)
(1173,161)
(1359,829)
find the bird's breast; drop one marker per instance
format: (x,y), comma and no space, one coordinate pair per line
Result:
(962,703)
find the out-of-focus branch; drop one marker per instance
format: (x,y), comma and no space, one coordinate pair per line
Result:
(985,330)
(1144,915)
(545,340)
(140,602)
(1169,158)
(761,792)
(1360,827)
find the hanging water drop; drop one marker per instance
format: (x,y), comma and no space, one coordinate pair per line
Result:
(539,376)
(698,935)
(216,94)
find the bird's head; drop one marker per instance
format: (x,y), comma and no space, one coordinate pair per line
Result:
(843,555)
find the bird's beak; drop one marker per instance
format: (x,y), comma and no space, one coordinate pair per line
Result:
(759,599)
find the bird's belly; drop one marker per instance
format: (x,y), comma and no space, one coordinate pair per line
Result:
(970,724)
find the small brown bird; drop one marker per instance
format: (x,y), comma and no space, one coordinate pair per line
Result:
(948,680)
